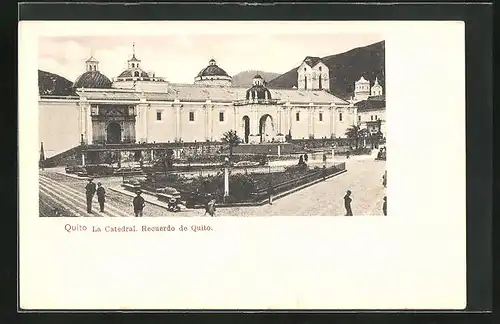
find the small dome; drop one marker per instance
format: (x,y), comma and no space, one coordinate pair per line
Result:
(131,73)
(92,79)
(257,76)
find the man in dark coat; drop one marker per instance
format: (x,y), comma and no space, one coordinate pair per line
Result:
(347,203)
(100,196)
(139,204)
(384,206)
(89,192)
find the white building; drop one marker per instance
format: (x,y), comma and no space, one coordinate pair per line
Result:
(138,106)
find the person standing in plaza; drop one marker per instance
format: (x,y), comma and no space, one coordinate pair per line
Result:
(89,192)
(347,203)
(139,204)
(100,196)
(384,206)
(384,179)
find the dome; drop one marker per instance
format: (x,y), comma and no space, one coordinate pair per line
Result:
(212,70)
(130,73)
(92,79)
(258,92)
(258,76)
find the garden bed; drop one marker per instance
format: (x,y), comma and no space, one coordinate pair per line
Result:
(244,188)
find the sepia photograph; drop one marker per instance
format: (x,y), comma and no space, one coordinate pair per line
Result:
(212,125)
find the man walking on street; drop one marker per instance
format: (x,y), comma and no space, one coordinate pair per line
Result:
(90,191)
(384,206)
(138,204)
(347,203)
(100,196)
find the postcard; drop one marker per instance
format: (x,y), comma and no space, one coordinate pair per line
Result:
(242,165)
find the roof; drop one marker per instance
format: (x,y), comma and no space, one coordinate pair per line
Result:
(362,80)
(109,95)
(212,70)
(370,104)
(377,98)
(92,59)
(230,94)
(92,79)
(312,60)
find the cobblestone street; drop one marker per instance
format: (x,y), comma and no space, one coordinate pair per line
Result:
(363,178)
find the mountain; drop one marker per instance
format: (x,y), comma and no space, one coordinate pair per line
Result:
(345,69)
(53,84)
(244,79)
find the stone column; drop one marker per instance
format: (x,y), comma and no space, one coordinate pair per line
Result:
(177,106)
(255,121)
(280,113)
(309,120)
(205,116)
(88,126)
(235,122)
(211,119)
(332,119)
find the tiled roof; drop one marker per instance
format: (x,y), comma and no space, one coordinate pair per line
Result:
(230,94)
(130,73)
(312,60)
(109,95)
(370,104)
(193,93)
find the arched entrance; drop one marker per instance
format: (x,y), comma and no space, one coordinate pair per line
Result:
(266,128)
(246,128)
(114,133)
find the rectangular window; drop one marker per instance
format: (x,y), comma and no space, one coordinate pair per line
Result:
(376,117)
(320,116)
(297,116)
(340,116)
(158,115)
(359,118)
(221,116)
(371,117)
(191,116)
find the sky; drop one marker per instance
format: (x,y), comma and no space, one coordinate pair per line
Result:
(179,58)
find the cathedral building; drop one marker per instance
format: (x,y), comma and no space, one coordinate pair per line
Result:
(139,107)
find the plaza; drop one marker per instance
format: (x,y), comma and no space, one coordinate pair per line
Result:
(363,178)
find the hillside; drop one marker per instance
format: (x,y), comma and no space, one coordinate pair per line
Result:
(53,84)
(244,79)
(345,69)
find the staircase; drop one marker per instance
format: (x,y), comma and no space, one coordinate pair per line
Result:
(68,157)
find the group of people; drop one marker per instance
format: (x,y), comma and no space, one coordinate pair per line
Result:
(91,190)
(348,200)
(138,202)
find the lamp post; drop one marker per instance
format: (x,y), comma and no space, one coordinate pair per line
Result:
(226,178)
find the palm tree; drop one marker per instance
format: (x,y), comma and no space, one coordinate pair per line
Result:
(232,139)
(354,132)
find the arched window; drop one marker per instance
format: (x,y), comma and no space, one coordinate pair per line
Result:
(136,73)
(305,82)
(320,84)
(320,68)
(133,65)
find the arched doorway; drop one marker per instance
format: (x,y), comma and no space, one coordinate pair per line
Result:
(266,128)
(114,133)
(246,128)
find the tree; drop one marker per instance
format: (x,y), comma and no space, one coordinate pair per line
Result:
(232,139)
(354,132)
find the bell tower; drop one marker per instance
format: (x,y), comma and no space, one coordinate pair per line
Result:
(91,64)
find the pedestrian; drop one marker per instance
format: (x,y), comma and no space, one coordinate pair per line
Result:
(210,206)
(384,206)
(384,179)
(100,196)
(89,192)
(139,204)
(347,203)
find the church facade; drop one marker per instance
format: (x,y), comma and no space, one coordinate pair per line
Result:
(139,107)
